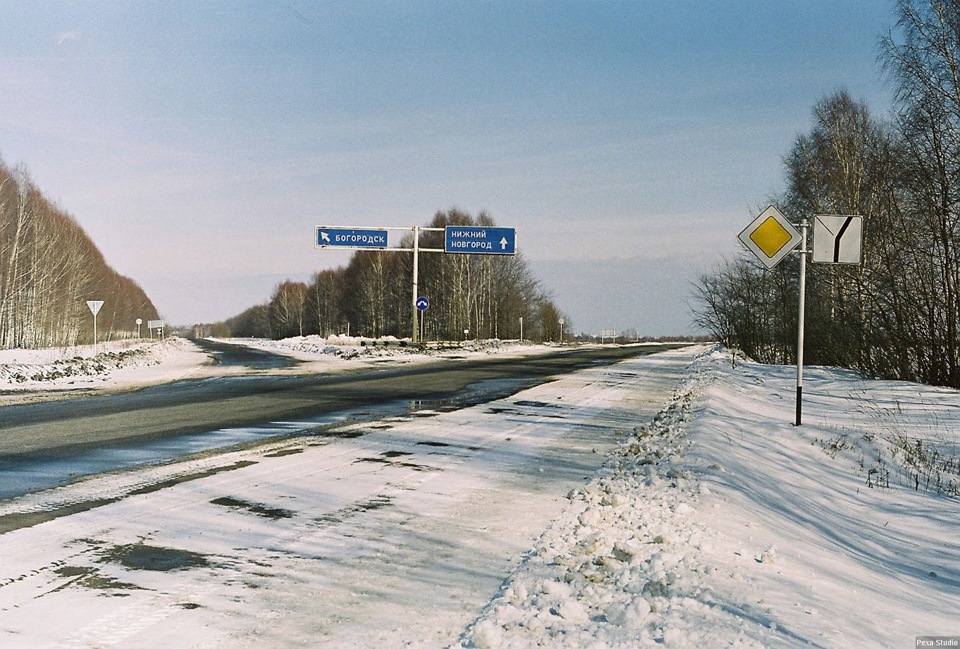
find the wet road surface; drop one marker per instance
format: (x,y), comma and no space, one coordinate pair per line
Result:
(46,444)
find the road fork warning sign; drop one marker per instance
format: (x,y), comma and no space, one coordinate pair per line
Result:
(837,239)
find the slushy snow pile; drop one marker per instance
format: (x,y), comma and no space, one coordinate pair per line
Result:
(722,524)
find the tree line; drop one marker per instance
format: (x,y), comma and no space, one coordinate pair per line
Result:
(483,295)
(898,314)
(49,268)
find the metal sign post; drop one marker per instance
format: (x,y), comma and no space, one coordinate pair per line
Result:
(800,316)
(416,278)
(771,237)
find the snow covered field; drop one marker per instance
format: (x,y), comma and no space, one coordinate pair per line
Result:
(714,523)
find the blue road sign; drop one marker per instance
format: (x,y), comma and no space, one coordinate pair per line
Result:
(480,240)
(350,238)
(423,303)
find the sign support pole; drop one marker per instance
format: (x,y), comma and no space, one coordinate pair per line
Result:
(804,224)
(416,273)
(837,239)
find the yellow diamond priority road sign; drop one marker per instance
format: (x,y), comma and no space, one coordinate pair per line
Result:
(770,236)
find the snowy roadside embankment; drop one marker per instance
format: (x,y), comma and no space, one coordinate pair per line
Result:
(721,524)
(22,369)
(313,347)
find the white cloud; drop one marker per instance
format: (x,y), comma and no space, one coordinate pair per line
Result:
(67,36)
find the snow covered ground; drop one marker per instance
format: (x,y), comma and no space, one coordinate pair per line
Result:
(714,523)
(721,524)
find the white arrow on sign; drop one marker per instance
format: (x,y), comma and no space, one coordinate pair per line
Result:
(503,243)
(324,236)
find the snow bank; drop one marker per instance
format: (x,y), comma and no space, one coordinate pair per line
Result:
(624,565)
(353,347)
(51,368)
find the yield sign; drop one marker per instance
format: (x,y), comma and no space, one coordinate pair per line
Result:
(94,306)
(771,237)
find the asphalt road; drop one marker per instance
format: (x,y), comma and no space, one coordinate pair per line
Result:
(394,534)
(59,428)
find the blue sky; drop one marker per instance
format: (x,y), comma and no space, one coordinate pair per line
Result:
(199,142)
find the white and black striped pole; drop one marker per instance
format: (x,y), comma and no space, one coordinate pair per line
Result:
(804,224)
